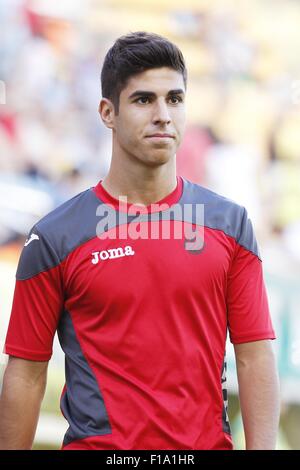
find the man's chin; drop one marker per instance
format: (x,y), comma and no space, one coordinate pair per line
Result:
(157,158)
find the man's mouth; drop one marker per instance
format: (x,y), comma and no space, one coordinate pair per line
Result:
(161,136)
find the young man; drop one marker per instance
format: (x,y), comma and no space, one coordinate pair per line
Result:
(142,317)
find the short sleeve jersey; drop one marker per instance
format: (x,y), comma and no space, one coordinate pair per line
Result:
(142,299)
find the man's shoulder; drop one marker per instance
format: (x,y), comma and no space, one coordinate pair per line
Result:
(65,210)
(220,212)
(69,224)
(195,193)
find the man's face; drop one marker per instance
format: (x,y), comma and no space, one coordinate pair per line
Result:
(151,119)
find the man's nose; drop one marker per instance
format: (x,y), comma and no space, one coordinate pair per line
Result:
(161,113)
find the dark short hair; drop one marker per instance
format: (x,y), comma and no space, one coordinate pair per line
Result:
(135,53)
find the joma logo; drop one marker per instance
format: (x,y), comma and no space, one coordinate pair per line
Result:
(111,254)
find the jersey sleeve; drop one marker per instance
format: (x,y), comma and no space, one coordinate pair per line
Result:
(247,303)
(37,302)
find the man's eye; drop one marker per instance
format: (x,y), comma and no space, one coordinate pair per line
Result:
(143,100)
(175,99)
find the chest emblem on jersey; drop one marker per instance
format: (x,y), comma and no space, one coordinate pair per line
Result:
(111,253)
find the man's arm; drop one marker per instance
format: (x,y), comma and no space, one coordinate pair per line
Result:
(258,393)
(23,389)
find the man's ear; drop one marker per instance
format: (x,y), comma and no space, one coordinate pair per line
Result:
(107,112)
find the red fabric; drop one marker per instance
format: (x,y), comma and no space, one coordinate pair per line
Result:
(247,303)
(36,309)
(152,327)
(158,340)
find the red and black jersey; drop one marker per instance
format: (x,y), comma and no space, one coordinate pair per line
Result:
(141,313)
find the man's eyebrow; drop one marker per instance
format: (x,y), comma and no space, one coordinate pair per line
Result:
(136,93)
(179,91)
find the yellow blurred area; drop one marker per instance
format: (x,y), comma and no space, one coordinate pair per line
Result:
(250,109)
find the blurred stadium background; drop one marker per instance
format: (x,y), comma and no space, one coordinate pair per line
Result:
(242,140)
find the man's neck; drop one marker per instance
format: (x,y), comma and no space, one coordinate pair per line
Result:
(141,186)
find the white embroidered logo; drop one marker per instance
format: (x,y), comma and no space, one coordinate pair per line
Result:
(112,253)
(33,236)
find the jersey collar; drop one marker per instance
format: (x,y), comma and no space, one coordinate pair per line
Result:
(168,201)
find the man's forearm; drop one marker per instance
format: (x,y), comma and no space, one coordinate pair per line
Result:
(260,401)
(19,411)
